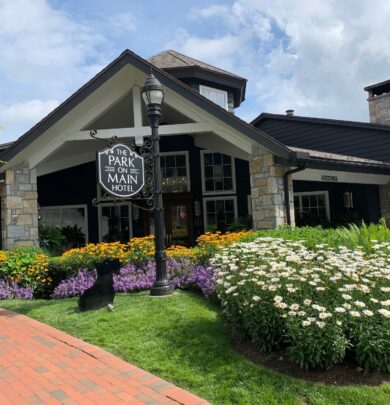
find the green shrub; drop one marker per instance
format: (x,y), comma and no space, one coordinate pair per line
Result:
(51,239)
(364,235)
(26,266)
(317,303)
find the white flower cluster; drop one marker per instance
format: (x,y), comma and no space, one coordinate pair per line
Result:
(314,286)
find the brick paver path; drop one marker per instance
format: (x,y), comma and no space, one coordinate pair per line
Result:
(42,365)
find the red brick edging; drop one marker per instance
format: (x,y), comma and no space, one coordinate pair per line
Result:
(42,365)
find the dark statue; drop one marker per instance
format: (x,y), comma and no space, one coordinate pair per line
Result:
(102,293)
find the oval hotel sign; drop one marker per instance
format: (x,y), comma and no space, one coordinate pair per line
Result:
(120,171)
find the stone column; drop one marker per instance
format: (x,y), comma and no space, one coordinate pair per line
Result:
(267,191)
(384,200)
(19,207)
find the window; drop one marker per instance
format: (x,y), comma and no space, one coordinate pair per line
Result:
(218,173)
(115,223)
(219,212)
(311,206)
(215,95)
(72,219)
(175,173)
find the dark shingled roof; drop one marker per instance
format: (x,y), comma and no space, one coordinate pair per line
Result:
(173,60)
(129,57)
(359,139)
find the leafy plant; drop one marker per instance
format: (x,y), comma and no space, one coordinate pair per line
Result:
(74,236)
(315,302)
(364,235)
(26,266)
(51,238)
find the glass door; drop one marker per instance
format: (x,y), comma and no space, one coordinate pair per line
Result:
(178,222)
(115,223)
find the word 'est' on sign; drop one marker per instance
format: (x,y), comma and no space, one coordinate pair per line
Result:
(120,171)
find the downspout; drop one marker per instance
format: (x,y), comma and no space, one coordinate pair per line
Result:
(301,167)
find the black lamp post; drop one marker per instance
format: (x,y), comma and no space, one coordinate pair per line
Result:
(153,95)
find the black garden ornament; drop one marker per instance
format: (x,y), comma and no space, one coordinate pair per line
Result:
(102,293)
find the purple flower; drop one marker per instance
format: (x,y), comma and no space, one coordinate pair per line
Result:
(181,272)
(76,285)
(10,290)
(204,278)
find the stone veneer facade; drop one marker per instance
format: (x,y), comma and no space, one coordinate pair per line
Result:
(384,197)
(19,207)
(379,107)
(268,203)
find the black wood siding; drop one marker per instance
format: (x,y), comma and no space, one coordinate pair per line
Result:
(194,84)
(365,197)
(77,185)
(348,140)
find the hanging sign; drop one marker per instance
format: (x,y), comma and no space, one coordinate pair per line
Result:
(120,171)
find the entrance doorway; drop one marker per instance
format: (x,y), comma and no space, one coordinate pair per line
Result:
(178,219)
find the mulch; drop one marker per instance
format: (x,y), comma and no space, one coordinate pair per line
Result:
(346,373)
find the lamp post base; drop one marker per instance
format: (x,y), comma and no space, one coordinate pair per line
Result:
(159,290)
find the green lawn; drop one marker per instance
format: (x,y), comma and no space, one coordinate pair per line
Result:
(184,339)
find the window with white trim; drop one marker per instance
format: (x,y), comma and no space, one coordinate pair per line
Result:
(175,172)
(311,205)
(72,219)
(219,212)
(218,173)
(217,96)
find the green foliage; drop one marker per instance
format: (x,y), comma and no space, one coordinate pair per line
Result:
(315,302)
(241,224)
(311,235)
(190,348)
(51,238)
(26,266)
(364,235)
(314,347)
(74,236)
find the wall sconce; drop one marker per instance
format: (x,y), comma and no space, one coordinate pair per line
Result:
(39,213)
(348,199)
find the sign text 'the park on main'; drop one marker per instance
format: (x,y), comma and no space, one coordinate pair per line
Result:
(120,171)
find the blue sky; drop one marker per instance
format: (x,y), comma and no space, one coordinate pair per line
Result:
(312,56)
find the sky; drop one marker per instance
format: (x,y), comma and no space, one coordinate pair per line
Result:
(313,56)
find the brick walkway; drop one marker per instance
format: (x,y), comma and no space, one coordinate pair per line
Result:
(42,365)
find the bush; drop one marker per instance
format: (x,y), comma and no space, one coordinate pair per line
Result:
(26,266)
(367,236)
(317,302)
(51,239)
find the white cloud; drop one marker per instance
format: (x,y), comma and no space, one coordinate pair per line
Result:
(123,22)
(45,54)
(28,112)
(313,56)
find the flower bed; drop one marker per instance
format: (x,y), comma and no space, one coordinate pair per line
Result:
(318,304)
(131,278)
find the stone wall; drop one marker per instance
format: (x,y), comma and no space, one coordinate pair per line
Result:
(268,203)
(384,198)
(19,207)
(379,107)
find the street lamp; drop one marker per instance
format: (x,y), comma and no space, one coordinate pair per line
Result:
(153,95)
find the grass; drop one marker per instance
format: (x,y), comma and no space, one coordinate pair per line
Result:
(183,339)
